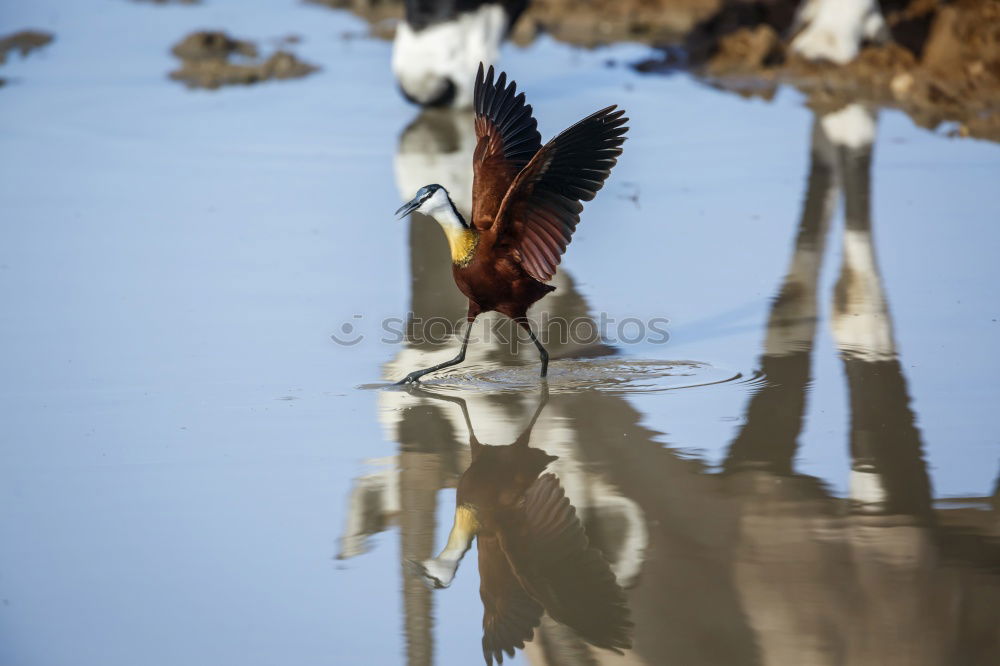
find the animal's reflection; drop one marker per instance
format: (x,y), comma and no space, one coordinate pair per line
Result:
(884,442)
(433,455)
(888,473)
(758,564)
(859,581)
(534,554)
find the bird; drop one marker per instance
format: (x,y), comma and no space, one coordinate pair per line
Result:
(526,204)
(534,554)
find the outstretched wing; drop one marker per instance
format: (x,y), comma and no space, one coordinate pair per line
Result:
(510,615)
(542,207)
(551,556)
(506,139)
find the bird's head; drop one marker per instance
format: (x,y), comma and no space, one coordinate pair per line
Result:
(432,200)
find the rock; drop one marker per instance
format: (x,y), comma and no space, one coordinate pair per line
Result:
(748,47)
(212,45)
(961,34)
(206,62)
(24,41)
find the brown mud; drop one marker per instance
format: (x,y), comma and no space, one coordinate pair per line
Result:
(24,42)
(590,23)
(941,65)
(212,59)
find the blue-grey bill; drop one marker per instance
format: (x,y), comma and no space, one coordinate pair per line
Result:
(407,208)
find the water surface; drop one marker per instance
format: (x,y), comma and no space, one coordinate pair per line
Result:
(193,471)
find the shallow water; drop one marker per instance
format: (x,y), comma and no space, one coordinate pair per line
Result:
(193,471)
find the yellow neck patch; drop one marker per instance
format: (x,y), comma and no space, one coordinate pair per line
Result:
(466,519)
(465,528)
(463,244)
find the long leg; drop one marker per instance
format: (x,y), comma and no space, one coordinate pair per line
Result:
(417,374)
(475,445)
(526,325)
(543,399)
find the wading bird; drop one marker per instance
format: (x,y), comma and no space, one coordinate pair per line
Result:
(534,554)
(525,204)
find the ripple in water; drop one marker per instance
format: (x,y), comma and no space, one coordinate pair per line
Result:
(614,375)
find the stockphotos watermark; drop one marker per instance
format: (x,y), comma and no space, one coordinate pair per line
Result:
(551,330)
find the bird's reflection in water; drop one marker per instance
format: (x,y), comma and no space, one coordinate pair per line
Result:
(565,439)
(756,564)
(534,554)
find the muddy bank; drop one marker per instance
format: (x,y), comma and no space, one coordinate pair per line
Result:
(941,62)
(588,24)
(23,42)
(602,22)
(212,59)
(381,15)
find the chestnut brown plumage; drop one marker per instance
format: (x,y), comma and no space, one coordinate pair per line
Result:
(526,203)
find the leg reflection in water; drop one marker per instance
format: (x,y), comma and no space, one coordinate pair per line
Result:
(861,580)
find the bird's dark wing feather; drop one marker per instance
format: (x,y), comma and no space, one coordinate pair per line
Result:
(509,614)
(506,139)
(542,207)
(551,556)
